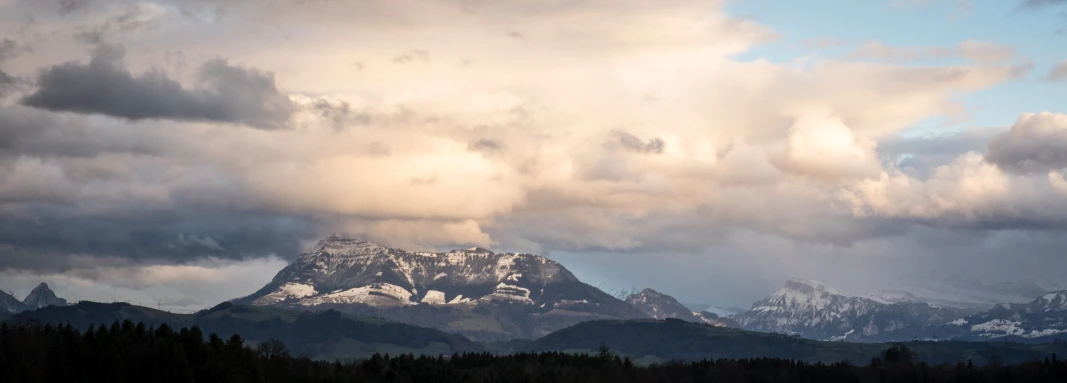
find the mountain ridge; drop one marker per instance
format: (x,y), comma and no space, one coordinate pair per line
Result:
(657,305)
(818,311)
(476,292)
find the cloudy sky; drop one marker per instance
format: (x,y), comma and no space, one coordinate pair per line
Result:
(180,152)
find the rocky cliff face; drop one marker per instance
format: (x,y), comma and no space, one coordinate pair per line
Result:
(42,296)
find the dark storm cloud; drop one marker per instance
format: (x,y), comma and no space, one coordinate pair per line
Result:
(229,94)
(52,239)
(630,142)
(41,134)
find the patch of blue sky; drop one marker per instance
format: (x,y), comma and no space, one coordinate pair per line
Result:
(832,29)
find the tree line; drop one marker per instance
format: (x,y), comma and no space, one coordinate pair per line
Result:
(133,352)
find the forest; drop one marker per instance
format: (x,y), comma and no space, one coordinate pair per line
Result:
(135,352)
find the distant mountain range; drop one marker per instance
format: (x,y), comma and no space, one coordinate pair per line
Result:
(40,296)
(499,297)
(1042,320)
(815,310)
(489,296)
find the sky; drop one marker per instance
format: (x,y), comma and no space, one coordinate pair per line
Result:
(180,152)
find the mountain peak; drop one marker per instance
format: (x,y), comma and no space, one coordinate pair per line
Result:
(1054,301)
(808,286)
(342,245)
(42,296)
(662,306)
(343,270)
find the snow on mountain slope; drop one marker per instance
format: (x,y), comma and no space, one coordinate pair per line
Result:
(1041,319)
(1054,301)
(481,294)
(810,303)
(340,270)
(816,310)
(345,270)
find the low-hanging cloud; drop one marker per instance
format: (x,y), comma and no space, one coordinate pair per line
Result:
(229,94)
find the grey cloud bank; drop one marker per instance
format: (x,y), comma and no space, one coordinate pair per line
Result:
(230,94)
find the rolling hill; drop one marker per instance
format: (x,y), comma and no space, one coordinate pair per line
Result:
(325,335)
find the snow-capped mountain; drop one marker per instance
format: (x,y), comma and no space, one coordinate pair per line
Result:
(815,310)
(662,306)
(453,290)
(1042,319)
(42,296)
(10,305)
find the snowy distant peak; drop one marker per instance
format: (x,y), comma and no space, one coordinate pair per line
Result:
(807,297)
(42,296)
(810,287)
(341,270)
(1054,301)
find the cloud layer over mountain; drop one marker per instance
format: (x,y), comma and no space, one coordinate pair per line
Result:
(141,138)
